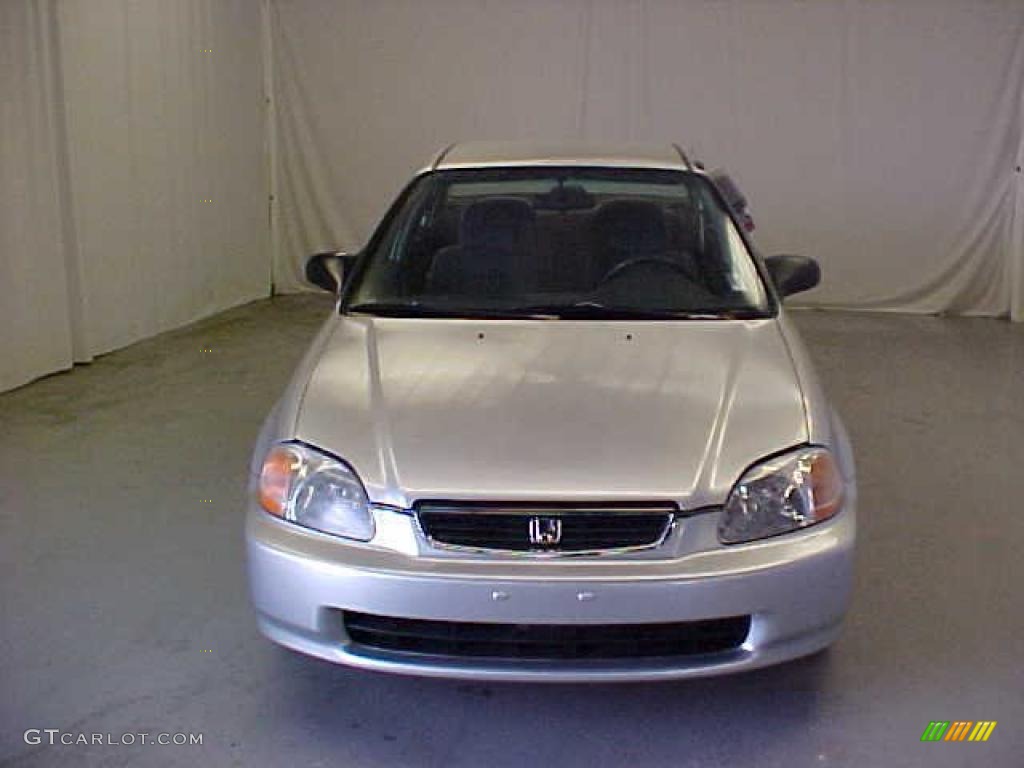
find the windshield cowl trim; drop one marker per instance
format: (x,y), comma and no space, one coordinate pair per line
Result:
(548,316)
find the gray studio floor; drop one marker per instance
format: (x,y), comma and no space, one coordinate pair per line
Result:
(123,598)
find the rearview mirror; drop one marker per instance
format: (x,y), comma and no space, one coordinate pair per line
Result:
(329,270)
(793,274)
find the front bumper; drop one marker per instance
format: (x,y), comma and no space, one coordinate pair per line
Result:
(795,587)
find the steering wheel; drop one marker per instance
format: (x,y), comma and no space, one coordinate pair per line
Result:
(639,261)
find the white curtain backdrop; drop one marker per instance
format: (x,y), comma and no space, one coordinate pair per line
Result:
(136,156)
(879,136)
(133,173)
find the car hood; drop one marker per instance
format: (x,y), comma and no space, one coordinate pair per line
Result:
(551,409)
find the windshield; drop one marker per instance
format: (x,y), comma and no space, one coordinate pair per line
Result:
(559,243)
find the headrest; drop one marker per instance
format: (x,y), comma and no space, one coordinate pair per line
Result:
(506,222)
(635,226)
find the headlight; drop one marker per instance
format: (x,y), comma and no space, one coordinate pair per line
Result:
(310,488)
(783,494)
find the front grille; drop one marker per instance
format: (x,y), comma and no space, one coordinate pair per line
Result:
(579,528)
(546,641)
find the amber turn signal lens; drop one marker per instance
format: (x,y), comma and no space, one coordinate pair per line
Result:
(826,486)
(276,477)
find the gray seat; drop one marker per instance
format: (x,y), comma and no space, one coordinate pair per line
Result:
(496,255)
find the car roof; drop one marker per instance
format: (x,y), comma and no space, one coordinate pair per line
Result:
(493,154)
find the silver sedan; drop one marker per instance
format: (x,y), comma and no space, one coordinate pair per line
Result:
(558,427)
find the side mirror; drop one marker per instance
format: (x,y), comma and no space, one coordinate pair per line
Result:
(329,270)
(793,274)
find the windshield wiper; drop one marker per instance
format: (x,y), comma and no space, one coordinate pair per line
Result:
(416,309)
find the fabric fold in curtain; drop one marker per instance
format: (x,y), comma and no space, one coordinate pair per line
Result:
(1017,230)
(879,137)
(35,321)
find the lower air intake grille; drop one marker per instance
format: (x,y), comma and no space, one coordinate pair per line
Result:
(546,641)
